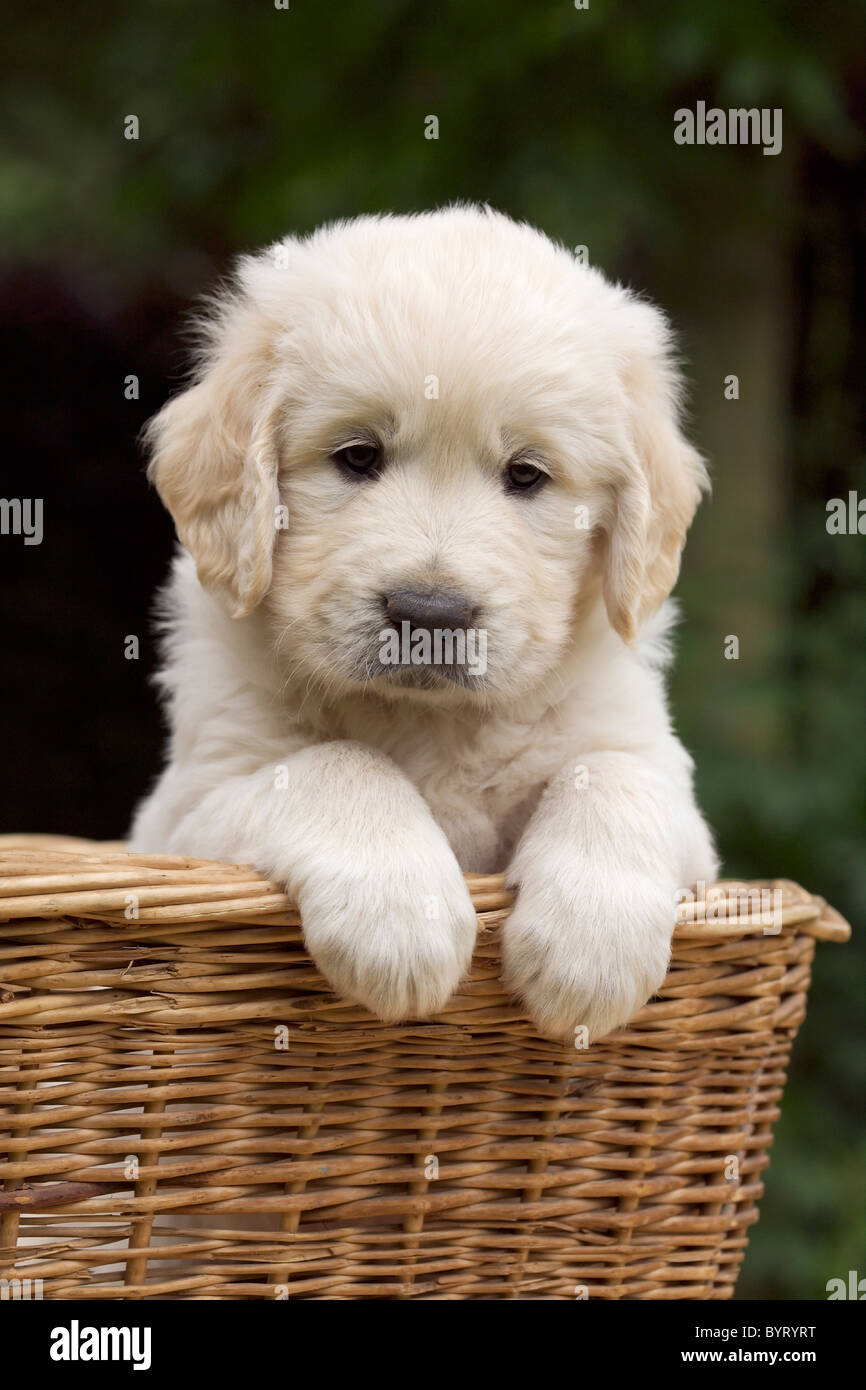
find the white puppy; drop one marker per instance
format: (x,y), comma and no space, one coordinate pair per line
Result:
(404,427)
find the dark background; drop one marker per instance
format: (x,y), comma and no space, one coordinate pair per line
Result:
(255,122)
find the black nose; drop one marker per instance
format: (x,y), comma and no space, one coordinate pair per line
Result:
(429,608)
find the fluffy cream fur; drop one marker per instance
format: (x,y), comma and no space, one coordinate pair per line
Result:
(459,340)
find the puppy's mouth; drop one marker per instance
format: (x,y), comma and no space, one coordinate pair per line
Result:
(425,678)
(428,659)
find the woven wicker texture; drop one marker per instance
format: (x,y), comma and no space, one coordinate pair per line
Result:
(171,1062)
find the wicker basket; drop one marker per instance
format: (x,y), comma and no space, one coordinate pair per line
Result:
(170,1062)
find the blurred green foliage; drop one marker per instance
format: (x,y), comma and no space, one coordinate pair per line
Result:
(256,121)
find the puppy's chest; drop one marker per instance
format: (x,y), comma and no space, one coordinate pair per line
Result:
(481,789)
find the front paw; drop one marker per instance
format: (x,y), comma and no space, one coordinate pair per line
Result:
(586,950)
(398,939)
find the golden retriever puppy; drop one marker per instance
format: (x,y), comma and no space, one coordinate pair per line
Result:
(432,492)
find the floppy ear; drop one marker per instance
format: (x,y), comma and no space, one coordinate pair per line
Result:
(660,484)
(214,457)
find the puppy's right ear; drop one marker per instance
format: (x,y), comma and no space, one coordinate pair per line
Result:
(214,456)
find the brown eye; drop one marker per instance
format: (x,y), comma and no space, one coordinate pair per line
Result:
(521,476)
(362,459)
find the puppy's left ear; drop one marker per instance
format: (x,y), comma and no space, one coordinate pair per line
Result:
(214,452)
(660,485)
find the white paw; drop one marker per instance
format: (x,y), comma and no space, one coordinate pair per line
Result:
(586,950)
(395,934)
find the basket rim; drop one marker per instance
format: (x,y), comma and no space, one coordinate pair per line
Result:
(50,876)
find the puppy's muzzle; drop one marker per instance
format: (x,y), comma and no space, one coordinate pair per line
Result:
(430,638)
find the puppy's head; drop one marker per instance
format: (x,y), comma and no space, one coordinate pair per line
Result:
(426,444)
